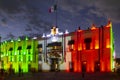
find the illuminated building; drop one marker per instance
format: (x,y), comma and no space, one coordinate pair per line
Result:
(19,54)
(93,49)
(82,50)
(88,50)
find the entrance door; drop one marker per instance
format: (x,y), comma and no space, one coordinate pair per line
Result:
(97,67)
(84,65)
(71,66)
(29,67)
(40,67)
(54,64)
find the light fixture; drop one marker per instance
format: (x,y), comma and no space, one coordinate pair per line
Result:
(43,35)
(66,32)
(34,37)
(54,38)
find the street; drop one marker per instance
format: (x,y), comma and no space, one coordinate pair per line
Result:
(64,76)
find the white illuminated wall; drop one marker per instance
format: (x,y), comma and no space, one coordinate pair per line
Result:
(65,59)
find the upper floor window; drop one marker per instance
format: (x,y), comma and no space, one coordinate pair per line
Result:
(70,42)
(11,49)
(19,49)
(39,46)
(29,47)
(87,42)
(29,58)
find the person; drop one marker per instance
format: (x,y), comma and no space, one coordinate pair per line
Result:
(19,71)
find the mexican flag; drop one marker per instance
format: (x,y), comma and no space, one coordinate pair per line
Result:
(53,8)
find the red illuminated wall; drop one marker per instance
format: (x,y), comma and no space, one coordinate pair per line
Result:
(96,55)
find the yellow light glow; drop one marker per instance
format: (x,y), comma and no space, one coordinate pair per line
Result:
(72,46)
(80,47)
(93,27)
(108,46)
(107,43)
(109,24)
(79,30)
(96,44)
(54,31)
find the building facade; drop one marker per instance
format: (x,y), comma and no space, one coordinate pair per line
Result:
(88,50)
(19,55)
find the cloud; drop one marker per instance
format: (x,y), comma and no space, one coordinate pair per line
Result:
(22,12)
(72,6)
(100,8)
(9,36)
(10,6)
(36,23)
(111,9)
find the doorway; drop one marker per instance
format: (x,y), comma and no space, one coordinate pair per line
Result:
(29,67)
(54,64)
(97,67)
(84,66)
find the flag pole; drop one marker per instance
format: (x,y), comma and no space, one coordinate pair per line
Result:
(56,13)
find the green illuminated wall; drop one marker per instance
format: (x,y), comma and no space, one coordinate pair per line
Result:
(20,54)
(112,47)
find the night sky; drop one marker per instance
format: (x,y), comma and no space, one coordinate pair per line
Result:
(32,17)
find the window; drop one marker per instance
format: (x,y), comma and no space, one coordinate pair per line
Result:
(11,59)
(11,53)
(11,49)
(87,42)
(71,42)
(54,44)
(39,46)
(28,51)
(19,49)
(19,52)
(29,47)
(29,58)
